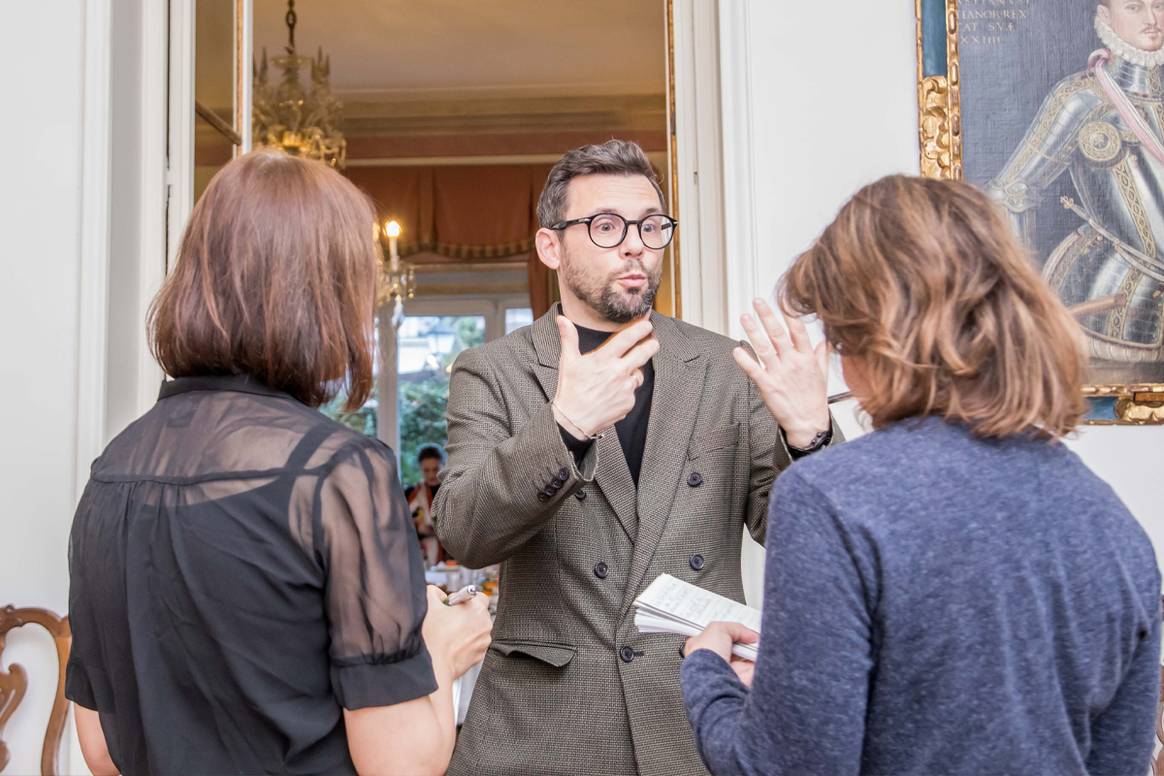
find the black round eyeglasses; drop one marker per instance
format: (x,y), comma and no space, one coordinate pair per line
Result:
(608,230)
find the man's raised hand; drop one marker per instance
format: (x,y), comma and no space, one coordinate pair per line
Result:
(597,390)
(790,375)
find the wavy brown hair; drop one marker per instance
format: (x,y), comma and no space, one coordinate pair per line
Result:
(924,282)
(275,279)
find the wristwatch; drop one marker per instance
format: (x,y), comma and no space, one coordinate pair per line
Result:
(821,439)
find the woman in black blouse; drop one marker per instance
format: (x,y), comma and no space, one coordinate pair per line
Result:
(247,594)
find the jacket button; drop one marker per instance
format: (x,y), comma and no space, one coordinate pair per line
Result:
(695,479)
(580,495)
(601,570)
(549,491)
(627,654)
(563,474)
(542,497)
(697,562)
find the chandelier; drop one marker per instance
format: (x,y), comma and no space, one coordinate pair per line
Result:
(302,121)
(397,278)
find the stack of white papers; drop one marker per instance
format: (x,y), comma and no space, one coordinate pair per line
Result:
(670,605)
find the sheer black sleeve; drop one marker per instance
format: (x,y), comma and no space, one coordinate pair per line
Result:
(375,591)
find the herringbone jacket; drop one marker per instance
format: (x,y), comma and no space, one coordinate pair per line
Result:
(569,686)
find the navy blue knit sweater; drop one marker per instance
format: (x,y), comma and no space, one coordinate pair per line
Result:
(936,603)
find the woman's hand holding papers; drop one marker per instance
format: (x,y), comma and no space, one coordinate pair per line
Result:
(719,638)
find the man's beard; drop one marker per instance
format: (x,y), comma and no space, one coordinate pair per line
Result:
(605,297)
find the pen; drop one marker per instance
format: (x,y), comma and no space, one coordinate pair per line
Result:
(461,596)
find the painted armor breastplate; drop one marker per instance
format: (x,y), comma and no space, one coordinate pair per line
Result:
(1116,253)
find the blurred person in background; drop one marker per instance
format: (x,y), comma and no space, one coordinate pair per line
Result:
(432,461)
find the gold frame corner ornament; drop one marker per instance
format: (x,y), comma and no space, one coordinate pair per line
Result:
(940,156)
(939,105)
(1135,405)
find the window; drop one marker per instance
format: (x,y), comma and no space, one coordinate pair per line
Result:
(516,317)
(407,405)
(366,418)
(426,347)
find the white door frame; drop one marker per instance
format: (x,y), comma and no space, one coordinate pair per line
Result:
(703,266)
(180,167)
(95,208)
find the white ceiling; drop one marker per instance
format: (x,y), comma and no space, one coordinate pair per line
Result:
(519,47)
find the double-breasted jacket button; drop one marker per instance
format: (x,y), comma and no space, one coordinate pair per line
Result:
(695,479)
(601,570)
(563,474)
(549,491)
(542,497)
(696,562)
(627,654)
(580,494)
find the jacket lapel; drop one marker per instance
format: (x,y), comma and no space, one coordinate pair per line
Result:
(679,380)
(549,350)
(611,474)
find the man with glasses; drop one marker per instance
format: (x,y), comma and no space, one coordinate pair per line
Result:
(593,451)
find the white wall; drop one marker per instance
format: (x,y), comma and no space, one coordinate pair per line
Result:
(819,99)
(41,221)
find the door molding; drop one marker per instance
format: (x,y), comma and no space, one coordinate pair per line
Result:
(92,338)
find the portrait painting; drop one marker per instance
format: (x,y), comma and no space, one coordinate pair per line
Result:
(1056,109)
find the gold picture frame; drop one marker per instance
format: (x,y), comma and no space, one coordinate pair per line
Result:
(940,139)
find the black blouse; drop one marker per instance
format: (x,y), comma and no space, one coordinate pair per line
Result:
(242,568)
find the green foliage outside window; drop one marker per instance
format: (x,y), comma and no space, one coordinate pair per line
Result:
(424,398)
(362,420)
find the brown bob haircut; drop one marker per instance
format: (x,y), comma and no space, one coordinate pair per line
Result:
(924,282)
(275,279)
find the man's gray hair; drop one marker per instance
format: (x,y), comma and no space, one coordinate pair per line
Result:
(614,157)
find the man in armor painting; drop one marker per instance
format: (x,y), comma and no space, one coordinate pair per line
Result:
(1105,126)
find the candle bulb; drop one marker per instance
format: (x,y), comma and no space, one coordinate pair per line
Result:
(392,229)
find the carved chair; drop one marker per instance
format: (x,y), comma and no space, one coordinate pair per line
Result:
(14,682)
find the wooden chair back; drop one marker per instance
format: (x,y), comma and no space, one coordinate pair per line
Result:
(14,682)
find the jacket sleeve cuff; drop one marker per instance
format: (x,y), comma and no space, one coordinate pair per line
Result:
(785,454)
(556,473)
(715,698)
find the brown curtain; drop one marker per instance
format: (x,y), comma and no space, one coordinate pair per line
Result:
(477,213)
(458,212)
(543,286)
(402,193)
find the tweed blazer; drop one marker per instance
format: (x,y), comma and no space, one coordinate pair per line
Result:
(569,685)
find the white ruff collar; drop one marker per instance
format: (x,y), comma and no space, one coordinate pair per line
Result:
(1121,49)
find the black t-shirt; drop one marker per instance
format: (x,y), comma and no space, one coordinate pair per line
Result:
(242,570)
(632,430)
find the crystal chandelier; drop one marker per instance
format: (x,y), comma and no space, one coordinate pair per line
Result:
(397,278)
(303,122)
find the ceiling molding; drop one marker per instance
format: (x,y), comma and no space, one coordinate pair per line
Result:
(647,87)
(472,146)
(658,158)
(521,115)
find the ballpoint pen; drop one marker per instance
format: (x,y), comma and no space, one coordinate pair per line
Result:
(461,596)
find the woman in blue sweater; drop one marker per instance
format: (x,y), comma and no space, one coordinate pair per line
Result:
(954,593)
